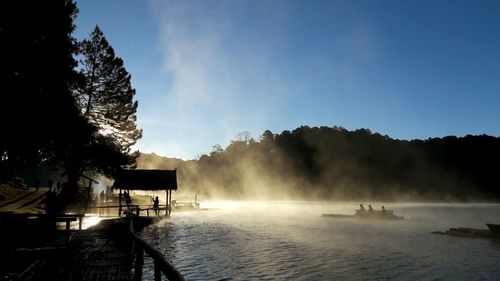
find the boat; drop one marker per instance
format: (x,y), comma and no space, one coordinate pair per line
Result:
(185,206)
(492,233)
(376,215)
(189,205)
(494,229)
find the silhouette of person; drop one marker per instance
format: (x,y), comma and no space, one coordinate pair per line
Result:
(101,196)
(370,210)
(127,198)
(50,200)
(361,211)
(156,205)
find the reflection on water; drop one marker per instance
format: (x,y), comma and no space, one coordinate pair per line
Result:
(289,240)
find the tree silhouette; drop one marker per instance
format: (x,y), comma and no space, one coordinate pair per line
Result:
(244,136)
(106,95)
(44,119)
(334,163)
(38,112)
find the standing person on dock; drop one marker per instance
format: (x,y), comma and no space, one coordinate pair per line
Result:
(156,205)
(127,198)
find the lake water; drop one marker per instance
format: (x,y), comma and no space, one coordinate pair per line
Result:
(290,241)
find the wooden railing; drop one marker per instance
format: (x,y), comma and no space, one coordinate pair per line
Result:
(134,209)
(161,265)
(66,218)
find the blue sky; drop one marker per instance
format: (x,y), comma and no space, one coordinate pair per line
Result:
(206,70)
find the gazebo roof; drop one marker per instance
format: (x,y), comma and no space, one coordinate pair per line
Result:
(146,179)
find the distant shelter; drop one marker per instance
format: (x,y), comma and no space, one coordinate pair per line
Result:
(152,180)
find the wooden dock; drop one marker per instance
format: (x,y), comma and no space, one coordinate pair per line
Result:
(108,251)
(99,254)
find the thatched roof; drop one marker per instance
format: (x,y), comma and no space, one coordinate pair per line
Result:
(146,179)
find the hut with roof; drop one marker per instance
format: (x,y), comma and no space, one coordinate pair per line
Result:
(148,180)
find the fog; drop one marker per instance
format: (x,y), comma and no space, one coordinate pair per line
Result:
(339,165)
(289,240)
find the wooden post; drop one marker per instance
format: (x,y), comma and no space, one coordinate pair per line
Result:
(67,231)
(157,271)
(139,262)
(170,203)
(166,202)
(120,203)
(129,212)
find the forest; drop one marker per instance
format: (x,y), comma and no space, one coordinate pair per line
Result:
(332,163)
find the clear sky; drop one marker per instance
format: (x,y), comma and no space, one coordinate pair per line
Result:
(206,70)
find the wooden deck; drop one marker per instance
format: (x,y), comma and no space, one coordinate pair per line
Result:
(105,252)
(98,255)
(31,247)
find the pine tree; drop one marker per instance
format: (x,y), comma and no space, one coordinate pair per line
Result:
(106,95)
(39,117)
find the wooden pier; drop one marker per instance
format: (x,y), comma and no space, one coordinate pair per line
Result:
(108,251)
(31,247)
(103,253)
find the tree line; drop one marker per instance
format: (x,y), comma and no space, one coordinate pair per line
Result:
(65,104)
(333,163)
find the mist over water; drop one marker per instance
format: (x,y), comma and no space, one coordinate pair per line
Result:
(332,163)
(258,240)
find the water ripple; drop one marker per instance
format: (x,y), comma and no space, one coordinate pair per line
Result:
(299,245)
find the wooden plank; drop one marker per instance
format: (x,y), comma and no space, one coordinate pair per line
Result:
(99,255)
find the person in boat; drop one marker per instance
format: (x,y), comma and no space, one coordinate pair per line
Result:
(370,210)
(384,211)
(361,210)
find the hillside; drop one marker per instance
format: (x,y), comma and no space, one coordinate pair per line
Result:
(337,164)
